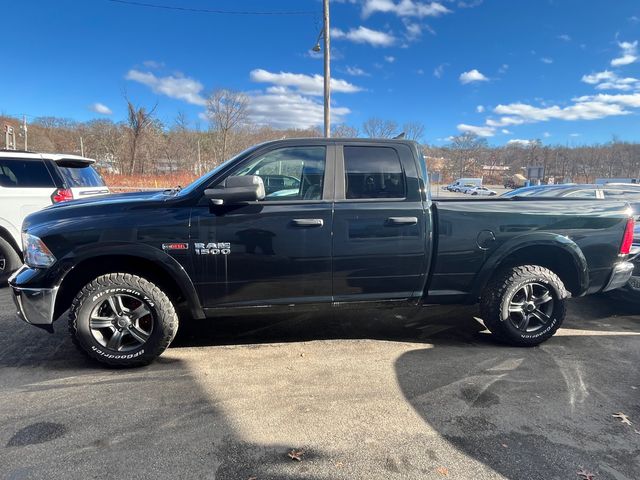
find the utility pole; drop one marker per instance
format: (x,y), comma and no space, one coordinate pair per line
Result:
(199,163)
(81,147)
(327,71)
(23,127)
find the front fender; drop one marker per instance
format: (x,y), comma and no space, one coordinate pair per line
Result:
(536,239)
(124,249)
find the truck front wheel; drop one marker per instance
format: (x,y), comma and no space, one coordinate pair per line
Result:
(524,306)
(122,320)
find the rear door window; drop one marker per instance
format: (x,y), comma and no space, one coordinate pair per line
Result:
(80,177)
(373,172)
(24,173)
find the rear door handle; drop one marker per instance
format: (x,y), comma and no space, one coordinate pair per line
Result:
(402,221)
(307,222)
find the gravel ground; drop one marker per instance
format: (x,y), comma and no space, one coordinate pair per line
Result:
(365,395)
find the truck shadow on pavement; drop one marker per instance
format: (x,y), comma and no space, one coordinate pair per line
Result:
(493,411)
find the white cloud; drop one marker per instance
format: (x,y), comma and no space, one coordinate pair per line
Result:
(404,8)
(100,108)
(477,130)
(414,31)
(521,142)
(628,56)
(472,76)
(546,134)
(598,77)
(356,72)
(174,86)
(608,80)
(503,68)
(365,35)
(389,59)
(546,60)
(304,84)
(480,108)
(469,3)
(283,108)
(575,134)
(564,37)
(622,100)
(506,131)
(581,110)
(153,64)
(439,70)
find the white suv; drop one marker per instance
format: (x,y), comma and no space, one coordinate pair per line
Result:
(31,181)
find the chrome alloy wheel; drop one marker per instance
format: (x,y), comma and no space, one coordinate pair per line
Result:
(121,322)
(531,307)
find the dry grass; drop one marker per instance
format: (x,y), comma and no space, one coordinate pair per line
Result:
(133,182)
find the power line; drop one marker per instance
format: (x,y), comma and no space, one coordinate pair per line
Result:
(206,10)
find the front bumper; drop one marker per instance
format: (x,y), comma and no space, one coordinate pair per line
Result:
(620,276)
(35,305)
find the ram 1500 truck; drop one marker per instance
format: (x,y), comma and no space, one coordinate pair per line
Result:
(304,224)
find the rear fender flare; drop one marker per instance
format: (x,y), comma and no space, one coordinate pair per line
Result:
(538,239)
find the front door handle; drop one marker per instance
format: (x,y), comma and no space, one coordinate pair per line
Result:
(402,221)
(307,222)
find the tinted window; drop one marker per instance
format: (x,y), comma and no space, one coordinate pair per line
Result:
(373,172)
(18,173)
(80,177)
(631,194)
(582,194)
(290,173)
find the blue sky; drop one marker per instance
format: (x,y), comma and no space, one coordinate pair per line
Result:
(563,71)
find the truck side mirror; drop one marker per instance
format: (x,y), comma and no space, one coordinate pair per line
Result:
(241,189)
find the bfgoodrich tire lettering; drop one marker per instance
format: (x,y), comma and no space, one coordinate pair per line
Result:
(524,305)
(122,320)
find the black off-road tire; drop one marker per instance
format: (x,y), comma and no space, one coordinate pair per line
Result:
(9,261)
(498,297)
(164,326)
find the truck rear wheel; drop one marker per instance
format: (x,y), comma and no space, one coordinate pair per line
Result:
(524,306)
(9,261)
(122,320)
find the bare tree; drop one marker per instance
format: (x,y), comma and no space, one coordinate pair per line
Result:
(466,150)
(345,131)
(413,131)
(375,127)
(138,120)
(227,110)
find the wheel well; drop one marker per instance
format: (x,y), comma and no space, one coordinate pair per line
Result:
(91,268)
(4,233)
(556,259)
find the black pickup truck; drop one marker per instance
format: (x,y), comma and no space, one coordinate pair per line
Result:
(306,224)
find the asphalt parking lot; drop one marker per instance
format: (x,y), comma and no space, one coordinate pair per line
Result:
(372,395)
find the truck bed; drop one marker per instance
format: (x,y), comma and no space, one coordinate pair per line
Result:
(474,235)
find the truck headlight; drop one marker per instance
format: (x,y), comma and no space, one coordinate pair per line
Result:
(35,252)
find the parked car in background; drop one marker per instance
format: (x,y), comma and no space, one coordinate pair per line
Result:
(480,191)
(565,190)
(31,181)
(460,183)
(515,181)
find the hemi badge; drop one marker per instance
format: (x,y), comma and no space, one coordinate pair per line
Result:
(175,246)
